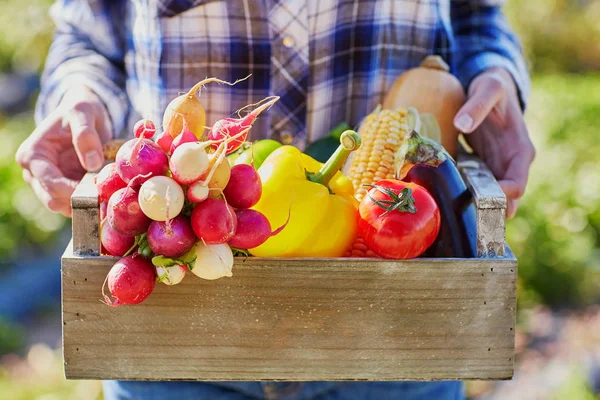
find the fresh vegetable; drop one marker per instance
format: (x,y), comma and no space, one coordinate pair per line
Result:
(398,220)
(171,275)
(130,281)
(189,162)
(197,192)
(108,181)
(213,261)
(257,151)
(114,243)
(171,238)
(222,172)
(323,148)
(165,141)
(161,198)
(144,128)
(185,137)
(214,221)
(234,127)
(430,88)
(124,213)
(382,133)
(244,188)
(188,108)
(141,157)
(143,248)
(253,229)
(318,198)
(103,207)
(426,163)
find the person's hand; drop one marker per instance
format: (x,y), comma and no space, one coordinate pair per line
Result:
(66,144)
(494,127)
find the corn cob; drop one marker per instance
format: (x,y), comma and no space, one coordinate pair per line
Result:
(382,133)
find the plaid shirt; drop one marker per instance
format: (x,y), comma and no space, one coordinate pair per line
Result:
(329,60)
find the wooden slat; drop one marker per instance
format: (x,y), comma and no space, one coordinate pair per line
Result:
(490,203)
(290,319)
(86,218)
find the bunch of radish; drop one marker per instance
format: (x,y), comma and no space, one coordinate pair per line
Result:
(175,205)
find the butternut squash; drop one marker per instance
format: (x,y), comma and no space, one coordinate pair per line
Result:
(430,88)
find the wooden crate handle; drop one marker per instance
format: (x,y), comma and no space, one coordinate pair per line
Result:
(490,204)
(86,218)
(489,199)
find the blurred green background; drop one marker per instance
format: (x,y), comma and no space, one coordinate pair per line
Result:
(555,236)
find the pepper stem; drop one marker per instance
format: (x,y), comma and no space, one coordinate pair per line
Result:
(349,141)
(417,149)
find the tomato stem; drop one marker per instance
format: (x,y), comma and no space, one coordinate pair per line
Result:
(402,202)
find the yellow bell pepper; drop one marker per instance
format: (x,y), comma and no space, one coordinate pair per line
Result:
(318,199)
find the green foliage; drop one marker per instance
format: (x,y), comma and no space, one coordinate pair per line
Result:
(575,387)
(26,33)
(558,35)
(11,337)
(556,234)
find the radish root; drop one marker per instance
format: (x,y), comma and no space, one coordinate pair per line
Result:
(192,92)
(107,299)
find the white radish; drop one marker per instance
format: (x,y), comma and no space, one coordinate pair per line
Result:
(161,198)
(189,162)
(171,275)
(213,261)
(197,192)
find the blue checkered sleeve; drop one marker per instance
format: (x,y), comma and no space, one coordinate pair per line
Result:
(484,40)
(87,50)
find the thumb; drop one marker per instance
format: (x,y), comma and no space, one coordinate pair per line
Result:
(86,139)
(486,92)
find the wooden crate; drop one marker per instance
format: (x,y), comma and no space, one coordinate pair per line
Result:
(301,319)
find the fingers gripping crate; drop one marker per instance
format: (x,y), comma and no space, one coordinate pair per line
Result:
(301,319)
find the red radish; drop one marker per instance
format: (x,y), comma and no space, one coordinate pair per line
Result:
(214,221)
(186,136)
(197,192)
(171,275)
(124,213)
(164,141)
(108,181)
(144,128)
(114,243)
(229,127)
(103,207)
(130,281)
(253,229)
(141,157)
(244,188)
(171,238)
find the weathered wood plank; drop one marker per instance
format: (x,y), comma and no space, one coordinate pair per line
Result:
(490,203)
(291,319)
(481,182)
(86,218)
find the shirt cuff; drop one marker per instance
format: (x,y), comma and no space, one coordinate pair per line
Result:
(481,62)
(114,98)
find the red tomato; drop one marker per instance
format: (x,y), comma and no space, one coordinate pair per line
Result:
(398,233)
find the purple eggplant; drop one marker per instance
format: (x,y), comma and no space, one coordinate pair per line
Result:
(427,164)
